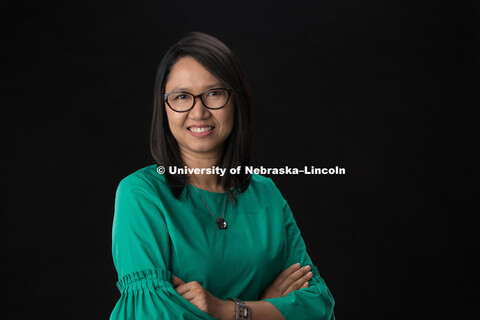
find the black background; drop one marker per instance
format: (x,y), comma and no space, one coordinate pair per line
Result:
(382,89)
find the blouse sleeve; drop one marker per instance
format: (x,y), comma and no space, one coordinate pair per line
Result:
(141,248)
(314,302)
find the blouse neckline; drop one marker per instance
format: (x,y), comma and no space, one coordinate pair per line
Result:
(206,191)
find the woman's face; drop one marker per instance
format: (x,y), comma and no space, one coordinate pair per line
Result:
(200,131)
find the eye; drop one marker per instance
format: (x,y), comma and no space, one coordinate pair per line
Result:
(180,96)
(214,93)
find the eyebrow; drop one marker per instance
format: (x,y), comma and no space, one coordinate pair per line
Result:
(216,85)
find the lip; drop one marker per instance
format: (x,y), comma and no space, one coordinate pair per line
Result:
(200,134)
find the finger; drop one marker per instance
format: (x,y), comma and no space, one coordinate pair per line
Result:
(300,283)
(189,290)
(292,278)
(190,295)
(177,281)
(186,287)
(183,288)
(285,273)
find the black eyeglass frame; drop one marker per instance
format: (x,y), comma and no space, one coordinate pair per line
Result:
(165,97)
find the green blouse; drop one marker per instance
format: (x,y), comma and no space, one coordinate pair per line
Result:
(156,235)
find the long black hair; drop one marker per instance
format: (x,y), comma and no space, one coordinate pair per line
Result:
(220,61)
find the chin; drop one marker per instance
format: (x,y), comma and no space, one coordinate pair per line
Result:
(204,150)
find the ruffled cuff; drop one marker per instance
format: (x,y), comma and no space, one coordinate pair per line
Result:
(150,295)
(145,279)
(314,302)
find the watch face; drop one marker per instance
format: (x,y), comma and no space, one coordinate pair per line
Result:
(243,312)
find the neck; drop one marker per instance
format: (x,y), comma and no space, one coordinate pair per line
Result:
(209,182)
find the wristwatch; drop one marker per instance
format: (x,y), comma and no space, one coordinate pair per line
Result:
(242,311)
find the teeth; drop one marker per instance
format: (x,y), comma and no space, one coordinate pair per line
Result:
(201,129)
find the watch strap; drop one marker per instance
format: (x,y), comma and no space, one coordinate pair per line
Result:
(242,311)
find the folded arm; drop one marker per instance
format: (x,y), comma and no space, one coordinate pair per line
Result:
(313,302)
(141,256)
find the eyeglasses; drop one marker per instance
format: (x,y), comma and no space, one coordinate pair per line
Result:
(184,101)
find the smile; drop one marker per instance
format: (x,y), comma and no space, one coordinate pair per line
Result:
(200,129)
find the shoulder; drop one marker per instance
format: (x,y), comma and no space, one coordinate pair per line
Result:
(264,186)
(137,195)
(145,182)
(137,208)
(146,178)
(258,179)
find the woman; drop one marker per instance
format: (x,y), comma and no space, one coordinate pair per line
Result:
(211,245)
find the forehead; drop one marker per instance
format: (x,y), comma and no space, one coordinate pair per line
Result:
(188,74)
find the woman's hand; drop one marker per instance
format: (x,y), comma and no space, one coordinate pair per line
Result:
(291,279)
(196,294)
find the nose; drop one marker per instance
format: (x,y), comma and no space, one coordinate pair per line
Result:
(198,111)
